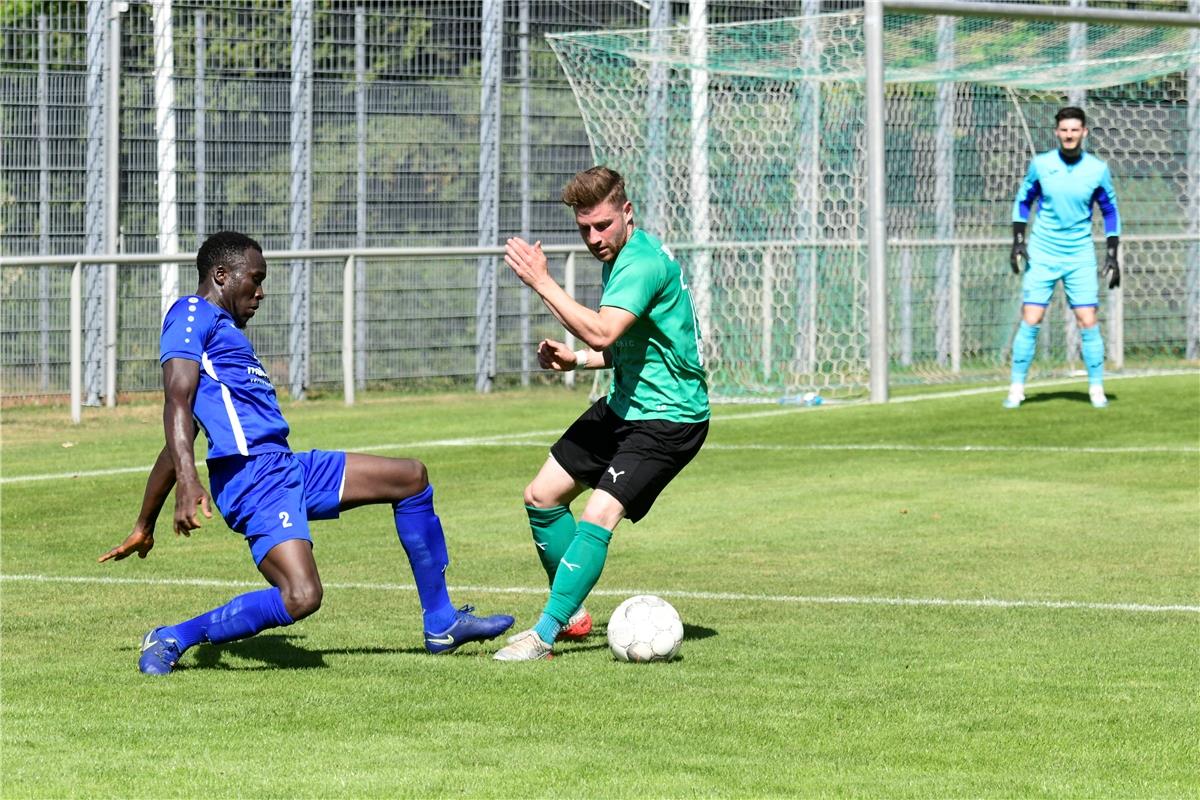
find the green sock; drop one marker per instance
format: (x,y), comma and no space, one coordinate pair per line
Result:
(582,564)
(553,530)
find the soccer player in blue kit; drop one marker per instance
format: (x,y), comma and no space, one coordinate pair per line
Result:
(265,491)
(1065,182)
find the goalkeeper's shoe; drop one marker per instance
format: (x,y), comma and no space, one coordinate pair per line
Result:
(578,626)
(466,628)
(526,646)
(160,652)
(1016,396)
(1096,395)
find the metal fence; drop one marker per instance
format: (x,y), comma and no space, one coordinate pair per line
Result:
(397,316)
(143,126)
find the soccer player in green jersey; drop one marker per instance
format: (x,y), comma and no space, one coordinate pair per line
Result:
(629,445)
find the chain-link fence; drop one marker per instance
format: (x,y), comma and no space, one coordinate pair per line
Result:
(306,124)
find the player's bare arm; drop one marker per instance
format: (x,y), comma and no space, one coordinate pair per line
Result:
(181,377)
(158,487)
(597,329)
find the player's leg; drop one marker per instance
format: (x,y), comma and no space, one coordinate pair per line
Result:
(1037,285)
(547,503)
(404,484)
(263,497)
(649,455)
(1083,294)
(576,461)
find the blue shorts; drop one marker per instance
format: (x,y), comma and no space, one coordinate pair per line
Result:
(269,498)
(1079,282)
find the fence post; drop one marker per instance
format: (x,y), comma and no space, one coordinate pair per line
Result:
(75,338)
(200,102)
(348,329)
(906,310)
(523,41)
(1192,346)
(43,123)
(944,212)
(360,206)
(491,67)
(876,208)
(95,195)
(165,131)
(112,210)
(956,310)
(301,104)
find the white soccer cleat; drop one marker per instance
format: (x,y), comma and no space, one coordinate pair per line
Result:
(525,646)
(1096,394)
(1016,396)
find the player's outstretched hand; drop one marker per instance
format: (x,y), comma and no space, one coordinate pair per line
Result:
(527,261)
(1019,251)
(140,542)
(556,356)
(187,499)
(1112,267)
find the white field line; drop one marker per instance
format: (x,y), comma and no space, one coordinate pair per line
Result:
(936,602)
(532,438)
(545,443)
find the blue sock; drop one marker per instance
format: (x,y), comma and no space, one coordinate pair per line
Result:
(243,616)
(547,628)
(1024,346)
(1092,349)
(420,532)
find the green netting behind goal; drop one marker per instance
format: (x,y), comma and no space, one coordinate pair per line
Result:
(745,146)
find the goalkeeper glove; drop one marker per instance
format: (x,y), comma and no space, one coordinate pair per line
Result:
(1112,268)
(1018,249)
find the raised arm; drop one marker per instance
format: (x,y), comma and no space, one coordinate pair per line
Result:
(597,329)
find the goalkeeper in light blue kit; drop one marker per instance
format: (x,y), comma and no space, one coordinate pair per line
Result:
(1065,182)
(266,492)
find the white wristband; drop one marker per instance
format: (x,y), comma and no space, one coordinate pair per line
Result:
(581,359)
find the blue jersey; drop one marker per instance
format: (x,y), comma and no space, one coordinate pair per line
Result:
(235,401)
(1065,193)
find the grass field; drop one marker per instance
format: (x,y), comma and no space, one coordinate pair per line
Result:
(934,598)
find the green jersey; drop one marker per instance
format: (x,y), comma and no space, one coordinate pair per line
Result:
(658,363)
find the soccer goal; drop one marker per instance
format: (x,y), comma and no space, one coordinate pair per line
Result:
(745,146)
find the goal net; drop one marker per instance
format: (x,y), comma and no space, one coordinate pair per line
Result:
(744,146)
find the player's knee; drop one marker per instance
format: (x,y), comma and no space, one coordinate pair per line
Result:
(410,477)
(538,497)
(303,598)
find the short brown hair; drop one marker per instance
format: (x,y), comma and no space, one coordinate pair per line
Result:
(594,186)
(1071,112)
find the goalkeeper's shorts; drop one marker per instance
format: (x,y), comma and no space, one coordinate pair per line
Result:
(1079,281)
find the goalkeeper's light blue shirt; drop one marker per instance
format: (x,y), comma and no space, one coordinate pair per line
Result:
(235,401)
(1065,193)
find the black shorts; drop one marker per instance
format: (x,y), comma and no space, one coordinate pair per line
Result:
(633,460)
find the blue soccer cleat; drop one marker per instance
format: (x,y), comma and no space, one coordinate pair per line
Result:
(467,628)
(160,653)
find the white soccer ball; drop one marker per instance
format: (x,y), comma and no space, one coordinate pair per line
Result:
(645,628)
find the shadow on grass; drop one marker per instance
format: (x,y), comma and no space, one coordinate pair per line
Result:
(278,652)
(1076,397)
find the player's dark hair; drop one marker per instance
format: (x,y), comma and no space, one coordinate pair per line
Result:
(592,187)
(1071,112)
(227,247)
